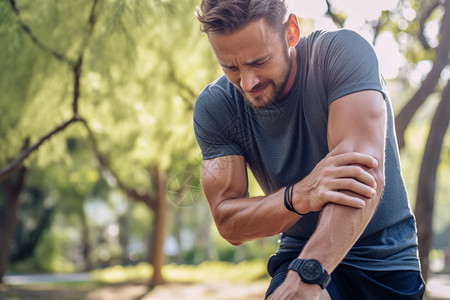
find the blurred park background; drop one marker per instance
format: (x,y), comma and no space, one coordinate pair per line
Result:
(99,168)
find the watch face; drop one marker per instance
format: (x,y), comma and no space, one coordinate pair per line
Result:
(311,269)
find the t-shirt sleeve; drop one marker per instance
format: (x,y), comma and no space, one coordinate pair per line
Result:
(214,124)
(350,65)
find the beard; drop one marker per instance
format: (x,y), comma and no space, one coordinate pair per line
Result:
(272,91)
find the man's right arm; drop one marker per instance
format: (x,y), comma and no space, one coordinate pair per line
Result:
(240,218)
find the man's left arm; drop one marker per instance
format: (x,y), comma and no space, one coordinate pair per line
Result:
(356,123)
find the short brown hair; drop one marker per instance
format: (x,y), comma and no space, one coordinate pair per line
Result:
(228,16)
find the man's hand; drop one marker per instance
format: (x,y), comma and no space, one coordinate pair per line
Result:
(337,178)
(294,289)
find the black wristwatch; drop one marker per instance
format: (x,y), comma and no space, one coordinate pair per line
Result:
(311,271)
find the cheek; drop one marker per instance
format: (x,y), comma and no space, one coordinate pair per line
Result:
(233,77)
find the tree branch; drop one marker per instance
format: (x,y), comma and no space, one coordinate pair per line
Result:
(428,86)
(76,84)
(338,21)
(380,23)
(77,67)
(175,79)
(427,178)
(104,162)
(423,18)
(35,40)
(17,163)
(92,22)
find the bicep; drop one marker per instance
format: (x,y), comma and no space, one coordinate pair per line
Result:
(357,122)
(224,178)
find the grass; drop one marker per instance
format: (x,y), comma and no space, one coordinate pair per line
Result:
(122,276)
(47,291)
(208,271)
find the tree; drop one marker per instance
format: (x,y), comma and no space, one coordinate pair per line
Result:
(11,187)
(427,178)
(136,142)
(418,50)
(439,124)
(17,164)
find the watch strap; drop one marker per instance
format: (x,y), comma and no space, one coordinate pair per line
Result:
(324,278)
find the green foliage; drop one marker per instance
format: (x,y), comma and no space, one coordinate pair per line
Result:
(218,271)
(143,67)
(138,87)
(416,137)
(208,271)
(141,221)
(441,221)
(50,255)
(250,250)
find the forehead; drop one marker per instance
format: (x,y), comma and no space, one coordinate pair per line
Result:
(253,41)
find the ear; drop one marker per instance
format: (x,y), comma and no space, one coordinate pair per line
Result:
(293,30)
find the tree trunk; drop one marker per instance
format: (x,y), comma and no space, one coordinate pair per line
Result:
(429,84)
(427,178)
(177,225)
(12,188)
(86,240)
(25,248)
(157,257)
(124,232)
(203,243)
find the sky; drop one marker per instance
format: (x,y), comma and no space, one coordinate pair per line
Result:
(358,13)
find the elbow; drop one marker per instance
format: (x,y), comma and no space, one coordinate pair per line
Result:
(226,229)
(235,243)
(229,235)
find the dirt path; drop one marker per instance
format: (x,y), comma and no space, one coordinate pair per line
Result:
(438,289)
(177,291)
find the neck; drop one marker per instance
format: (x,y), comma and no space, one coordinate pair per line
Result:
(293,72)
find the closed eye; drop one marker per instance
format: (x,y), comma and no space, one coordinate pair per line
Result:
(230,68)
(259,63)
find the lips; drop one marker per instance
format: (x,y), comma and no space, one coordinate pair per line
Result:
(258,89)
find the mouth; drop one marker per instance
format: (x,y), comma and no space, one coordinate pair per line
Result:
(258,89)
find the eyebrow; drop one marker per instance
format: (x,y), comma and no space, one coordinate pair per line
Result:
(250,63)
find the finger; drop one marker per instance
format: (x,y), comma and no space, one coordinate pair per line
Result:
(358,173)
(355,158)
(339,197)
(352,185)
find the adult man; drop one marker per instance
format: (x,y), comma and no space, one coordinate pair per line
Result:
(311,119)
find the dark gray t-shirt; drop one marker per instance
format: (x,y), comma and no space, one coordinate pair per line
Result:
(283,142)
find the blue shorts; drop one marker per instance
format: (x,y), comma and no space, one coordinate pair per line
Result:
(349,282)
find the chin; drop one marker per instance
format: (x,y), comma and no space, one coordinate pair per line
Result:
(260,101)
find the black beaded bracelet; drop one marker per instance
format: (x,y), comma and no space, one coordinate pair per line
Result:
(288,193)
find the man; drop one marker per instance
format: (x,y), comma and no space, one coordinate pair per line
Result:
(311,118)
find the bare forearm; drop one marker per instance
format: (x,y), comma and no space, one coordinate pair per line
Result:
(245,219)
(240,218)
(338,229)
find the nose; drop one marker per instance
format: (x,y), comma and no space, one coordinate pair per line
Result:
(248,79)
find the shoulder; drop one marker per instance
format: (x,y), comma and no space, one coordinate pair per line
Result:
(217,105)
(218,95)
(340,50)
(342,42)
(323,37)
